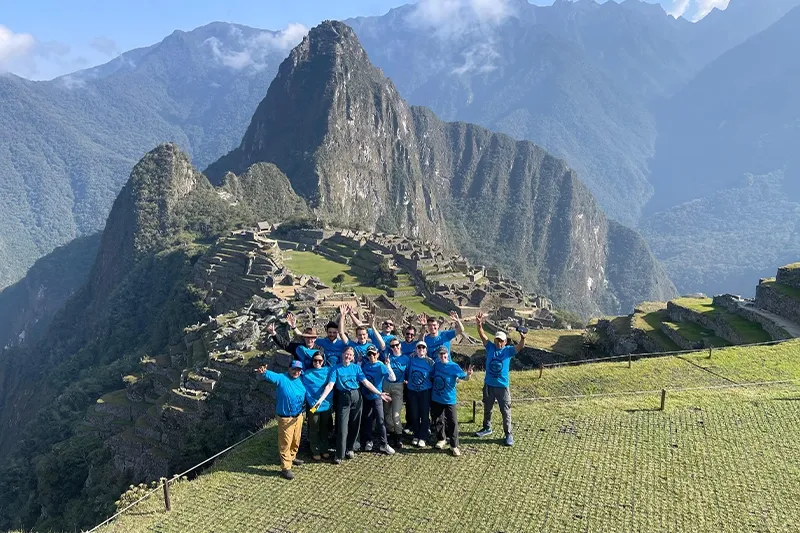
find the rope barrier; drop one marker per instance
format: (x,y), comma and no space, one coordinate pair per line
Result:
(173,478)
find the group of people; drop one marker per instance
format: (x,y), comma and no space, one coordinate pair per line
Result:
(366,379)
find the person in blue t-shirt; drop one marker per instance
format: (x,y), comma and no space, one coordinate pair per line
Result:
(408,347)
(376,372)
(496,384)
(418,377)
(394,387)
(290,398)
(320,421)
(361,342)
(345,378)
(332,343)
(435,338)
(446,374)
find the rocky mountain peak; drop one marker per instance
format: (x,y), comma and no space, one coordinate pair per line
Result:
(142,216)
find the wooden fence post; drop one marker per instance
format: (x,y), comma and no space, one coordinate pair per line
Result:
(629,360)
(663,398)
(541,369)
(709,352)
(166,495)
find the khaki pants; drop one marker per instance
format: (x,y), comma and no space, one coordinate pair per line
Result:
(289,431)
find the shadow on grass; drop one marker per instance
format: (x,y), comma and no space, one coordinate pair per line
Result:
(644,410)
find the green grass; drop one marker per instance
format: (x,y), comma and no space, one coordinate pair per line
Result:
(786,290)
(724,459)
(694,332)
(648,317)
(751,332)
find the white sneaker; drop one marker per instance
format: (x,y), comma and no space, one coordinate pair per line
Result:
(440,445)
(415,442)
(388,450)
(456,452)
(421,443)
(368,446)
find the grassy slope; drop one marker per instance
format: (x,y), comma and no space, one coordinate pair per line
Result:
(648,317)
(715,460)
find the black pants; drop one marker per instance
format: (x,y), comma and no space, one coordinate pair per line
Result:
(373,414)
(445,422)
(419,405)
(348,420)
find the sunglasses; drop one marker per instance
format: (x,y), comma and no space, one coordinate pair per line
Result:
(316,360)
(422,347)
(394,346)
(409,334)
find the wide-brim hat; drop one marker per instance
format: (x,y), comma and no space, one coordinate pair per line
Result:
(310,332)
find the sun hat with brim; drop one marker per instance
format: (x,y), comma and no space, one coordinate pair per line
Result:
(296,364)
(310,332)
(501,335)
(421,343)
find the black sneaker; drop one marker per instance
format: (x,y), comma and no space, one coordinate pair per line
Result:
(287,474)
(298,462)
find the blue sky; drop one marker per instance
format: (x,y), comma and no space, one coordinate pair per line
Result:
(41,39)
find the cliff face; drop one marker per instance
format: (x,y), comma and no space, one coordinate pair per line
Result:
(342,134)
(362,157)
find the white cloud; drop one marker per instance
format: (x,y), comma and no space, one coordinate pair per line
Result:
(478,59)
(693,10)
(449,18)
(15,48)
(104,45)
(239,53)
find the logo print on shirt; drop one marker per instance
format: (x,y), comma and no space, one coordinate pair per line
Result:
(439,383)
(495,368)
(417,378)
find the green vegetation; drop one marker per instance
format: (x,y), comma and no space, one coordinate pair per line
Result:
(751,332)
(696,333)
(648,318)
(786,290)
(720,459)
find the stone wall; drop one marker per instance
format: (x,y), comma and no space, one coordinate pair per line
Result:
(747,310)
(772,300)
(616,344)
(715,323)
(683,343)
(789,275)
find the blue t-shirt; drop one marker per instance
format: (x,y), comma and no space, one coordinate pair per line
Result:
(333,350)
(291,395)
(346,377)
(303,353)
(444,382)
(360,350)
(375,373)
(408,348)
(399,364)
(314,381)
(418,373)
(443,338)
(497,363)
(385,336)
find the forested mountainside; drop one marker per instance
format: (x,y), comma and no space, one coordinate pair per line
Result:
(727,171)
(595,72)
(361,156)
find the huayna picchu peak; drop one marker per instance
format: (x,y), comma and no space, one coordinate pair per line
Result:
(363,158)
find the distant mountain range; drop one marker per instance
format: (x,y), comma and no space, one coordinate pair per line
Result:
(583,80)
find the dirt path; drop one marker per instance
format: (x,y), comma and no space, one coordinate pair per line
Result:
(791,328)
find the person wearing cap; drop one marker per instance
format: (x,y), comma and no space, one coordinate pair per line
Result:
(394,387)
(376,372)
(434,338)
(290,399)
(496,384)
(446,374)
(299,349)
(418,377)
(303,351)
(345,378)
(320,420)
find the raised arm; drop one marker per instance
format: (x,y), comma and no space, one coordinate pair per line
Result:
(282,344)
(342,315)
(479,322)
(459,325)
(292,321)
(521,344)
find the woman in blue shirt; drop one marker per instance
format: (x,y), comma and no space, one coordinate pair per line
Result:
(345,378)
(394,387)
(446,374)
(320,421)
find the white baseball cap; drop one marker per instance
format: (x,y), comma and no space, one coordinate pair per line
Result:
(501,335)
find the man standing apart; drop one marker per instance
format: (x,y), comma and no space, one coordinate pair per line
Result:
(289,410)
(496,385)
